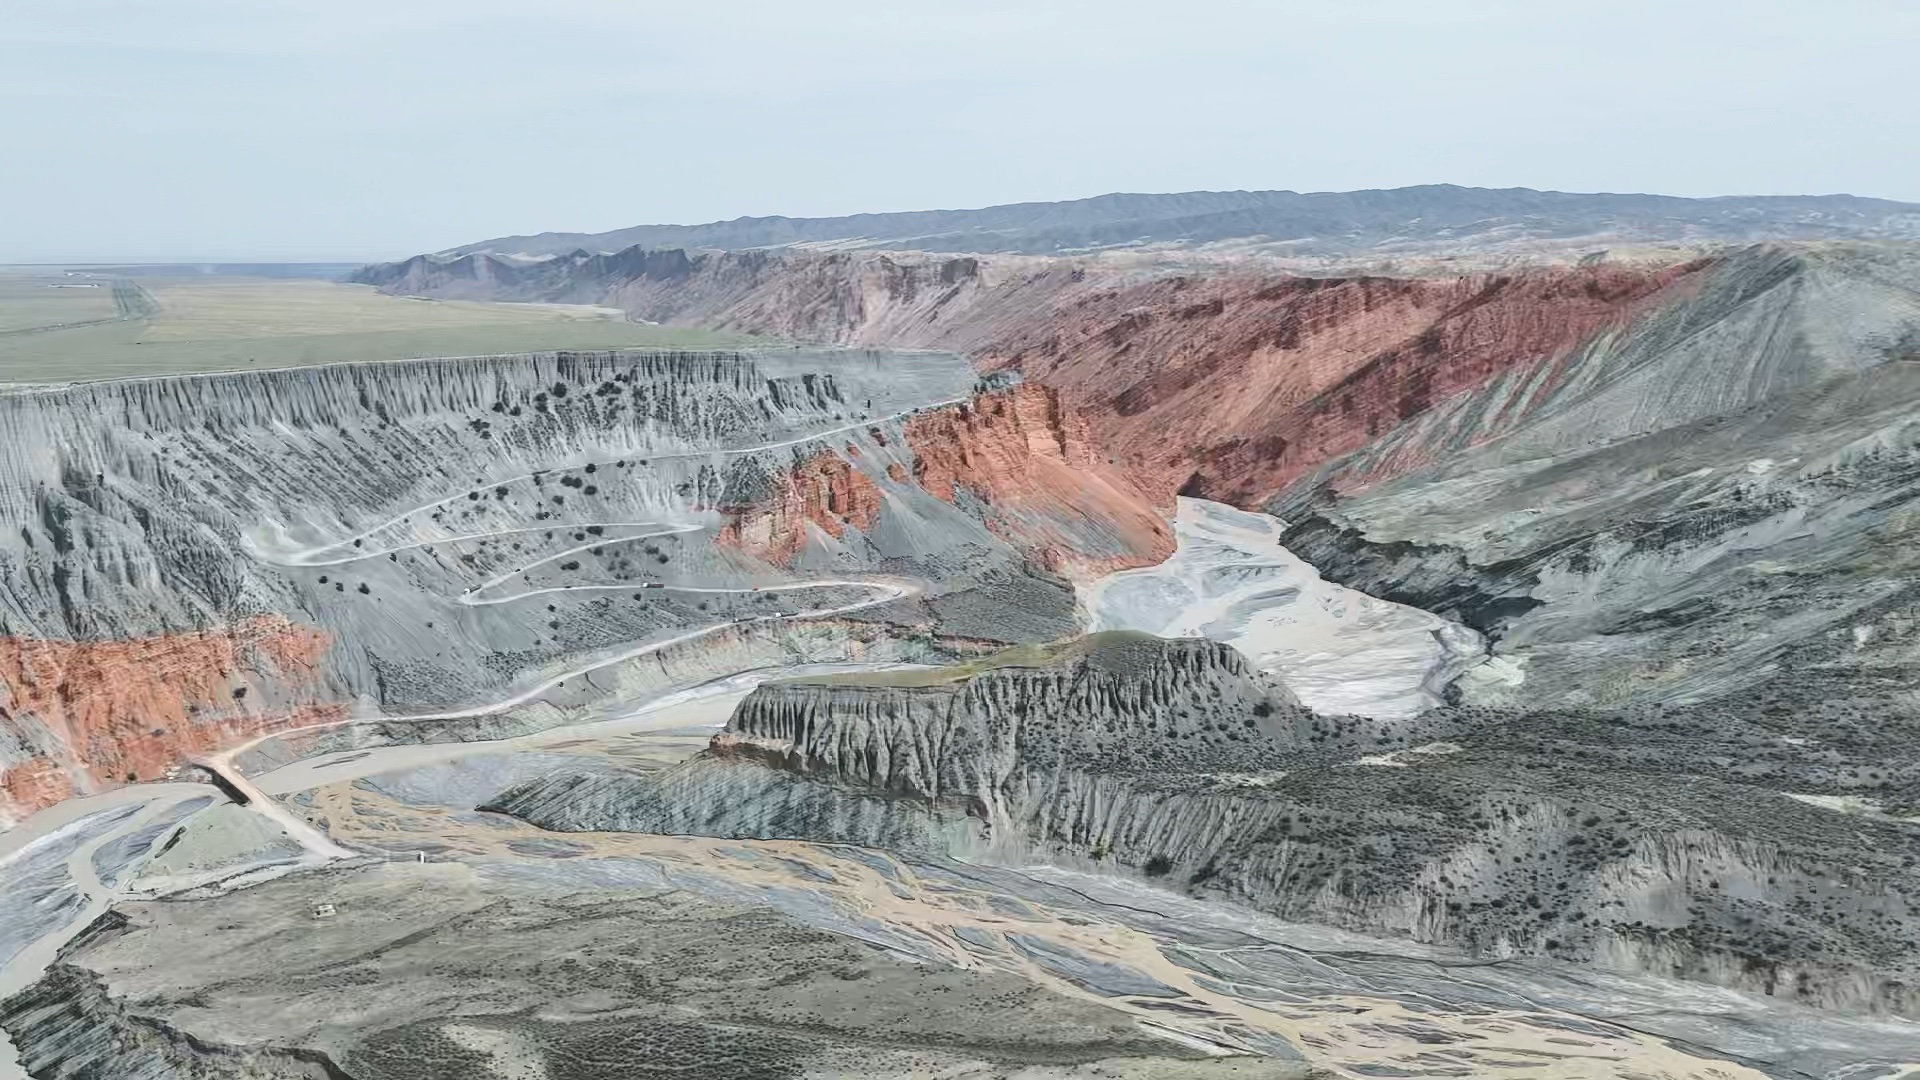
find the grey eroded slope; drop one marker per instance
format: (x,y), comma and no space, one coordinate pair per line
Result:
(439,972)
(450,532)
(1653,841)
(1715,496)
(1330,222)
(160,485)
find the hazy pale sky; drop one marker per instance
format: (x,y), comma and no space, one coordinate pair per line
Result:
(364,129)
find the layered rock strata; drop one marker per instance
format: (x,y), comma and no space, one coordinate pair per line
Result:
(1718,500)
(84,715)
(192,561)
(1655,841)
(1014,459)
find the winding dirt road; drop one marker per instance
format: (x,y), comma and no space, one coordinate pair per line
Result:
(318,554)
(27,965)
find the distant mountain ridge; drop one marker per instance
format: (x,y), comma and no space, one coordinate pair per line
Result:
(1314,223)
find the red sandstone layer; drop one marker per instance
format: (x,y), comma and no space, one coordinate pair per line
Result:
(1019,452)
(1228,383)
(1048,491)
(825,490)
(1231,381)
(127,710)
(1236,386)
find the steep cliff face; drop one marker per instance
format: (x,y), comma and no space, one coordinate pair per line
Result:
(190,561)
(78,716)
(131,499)
(980,744)
(1717,497)
(1596,444)
(1012,459)
(825,491)
(1563,834)
(1755,325)
(856,299)
(1033,463)
(1119,702)
(1233,386)
(853,298)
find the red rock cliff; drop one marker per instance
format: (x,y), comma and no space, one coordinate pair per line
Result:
(1228,383)
(824,490)
(121,711)
(1234,386)
(1019,452)
(1049,491)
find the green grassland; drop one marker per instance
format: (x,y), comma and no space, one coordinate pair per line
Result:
(33,302)
(161,326)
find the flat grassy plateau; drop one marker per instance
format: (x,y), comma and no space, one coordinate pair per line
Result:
(124,327)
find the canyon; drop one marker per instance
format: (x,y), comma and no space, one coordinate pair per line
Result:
(1179,662)
(513,496)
